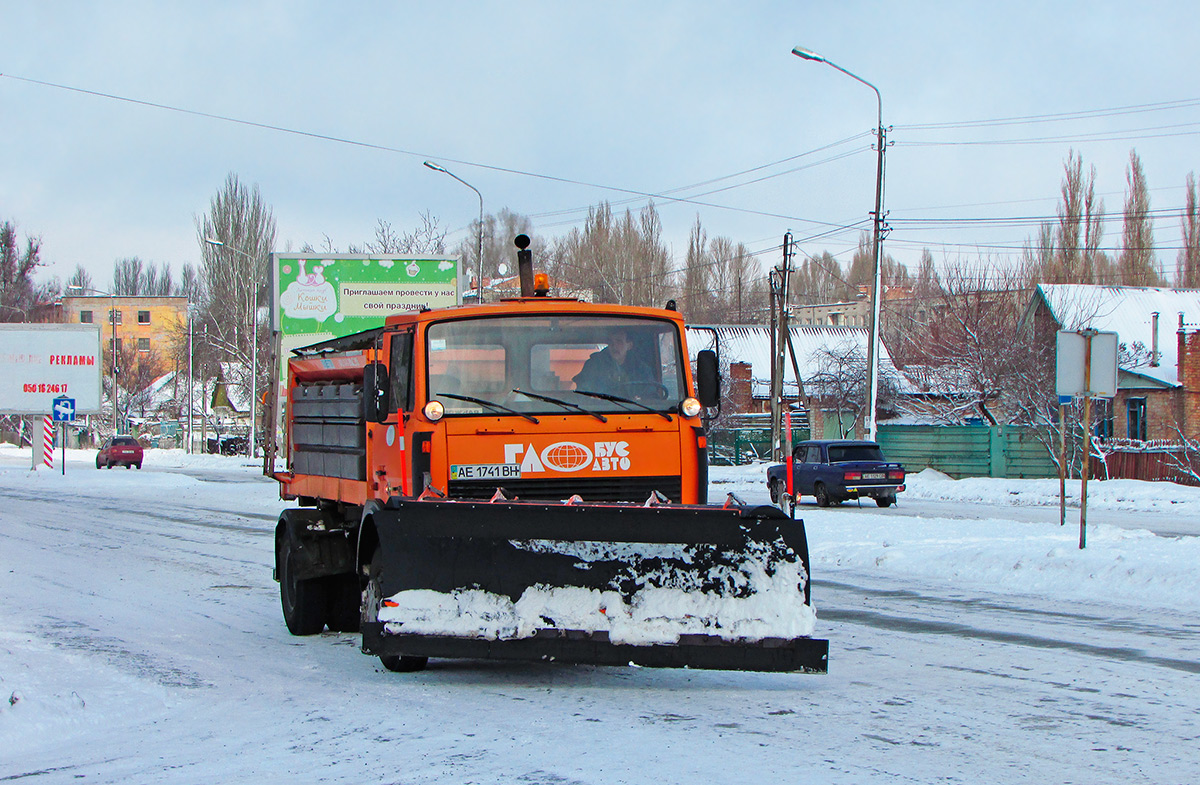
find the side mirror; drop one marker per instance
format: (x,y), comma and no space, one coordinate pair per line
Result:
(375,392)
(708,379)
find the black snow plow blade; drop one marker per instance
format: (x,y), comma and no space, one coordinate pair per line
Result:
(669,586)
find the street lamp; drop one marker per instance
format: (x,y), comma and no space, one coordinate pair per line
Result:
(251,447)
(479,273)
(873,345)
(112,318)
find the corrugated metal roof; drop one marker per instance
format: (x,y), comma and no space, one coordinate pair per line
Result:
(1128,311)
(750,343)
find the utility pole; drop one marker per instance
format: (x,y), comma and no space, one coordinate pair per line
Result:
(779,344)
(776,382)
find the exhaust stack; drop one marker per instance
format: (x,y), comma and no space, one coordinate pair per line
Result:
(524,264)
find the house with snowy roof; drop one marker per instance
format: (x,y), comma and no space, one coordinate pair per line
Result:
(825,356)
(1158,335)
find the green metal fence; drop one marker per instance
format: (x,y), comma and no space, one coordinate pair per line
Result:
(957,450)
(970,450)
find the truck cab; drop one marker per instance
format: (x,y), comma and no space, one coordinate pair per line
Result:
(522,395)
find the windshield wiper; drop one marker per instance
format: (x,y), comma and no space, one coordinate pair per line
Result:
(619,399)
(564,404)
(498,407)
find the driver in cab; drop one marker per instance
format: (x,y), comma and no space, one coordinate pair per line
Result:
(614,368)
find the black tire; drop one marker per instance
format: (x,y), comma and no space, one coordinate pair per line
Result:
(773,488)
(885,501)
(129,466)
(98,464)
(372,597)
(139,466)
(345,603)
(304,602)
(823,498)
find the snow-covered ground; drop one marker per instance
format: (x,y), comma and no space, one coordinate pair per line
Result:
(141,641)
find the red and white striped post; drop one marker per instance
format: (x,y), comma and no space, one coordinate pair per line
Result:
(48,441)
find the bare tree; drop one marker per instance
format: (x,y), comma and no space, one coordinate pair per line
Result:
(427,238)
(697,296)
(621,260)
(820,279)
(134,278)
(1187,274)
(737,282)
(964,344)
(233,274)
(840,383)
(1137,264)
(80,279)
(20,295)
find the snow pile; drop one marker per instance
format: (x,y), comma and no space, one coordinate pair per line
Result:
(653,616)
(771,605)
(1130,495)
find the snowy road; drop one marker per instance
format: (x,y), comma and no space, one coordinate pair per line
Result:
(141,641)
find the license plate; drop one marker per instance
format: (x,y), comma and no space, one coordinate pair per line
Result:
(486,471)
(874,475)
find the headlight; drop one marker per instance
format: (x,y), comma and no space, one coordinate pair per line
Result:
(690,407)
(434,411)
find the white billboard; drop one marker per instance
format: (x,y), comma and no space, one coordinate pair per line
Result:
(40,362)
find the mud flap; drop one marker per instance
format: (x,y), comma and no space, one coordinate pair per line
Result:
(657,586)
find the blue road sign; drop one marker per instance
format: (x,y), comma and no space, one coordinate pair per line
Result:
(63,409)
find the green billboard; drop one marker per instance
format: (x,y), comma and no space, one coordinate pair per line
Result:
(317,297)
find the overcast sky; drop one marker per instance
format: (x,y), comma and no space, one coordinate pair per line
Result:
(549,107)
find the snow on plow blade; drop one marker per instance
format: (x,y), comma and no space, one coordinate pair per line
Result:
(606,584)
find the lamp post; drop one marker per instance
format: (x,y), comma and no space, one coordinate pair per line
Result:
(251,447)
(873,345)
(479,251)
(112,318)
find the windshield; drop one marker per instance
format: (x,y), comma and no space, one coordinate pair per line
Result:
(569,363)
(841,453)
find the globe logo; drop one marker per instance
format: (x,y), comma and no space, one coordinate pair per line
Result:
(566,456)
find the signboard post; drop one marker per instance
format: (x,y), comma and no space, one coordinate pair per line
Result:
(1086,366)
(64,412)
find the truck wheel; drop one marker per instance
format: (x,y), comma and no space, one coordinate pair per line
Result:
(773,488)
(304,601)
(885,501)
(372,597)
(345,603)
(822,495)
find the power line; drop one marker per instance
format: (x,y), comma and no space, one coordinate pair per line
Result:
(410,153)
(1085,114)
(1099,136)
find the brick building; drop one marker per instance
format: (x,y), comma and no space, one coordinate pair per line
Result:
(148,327)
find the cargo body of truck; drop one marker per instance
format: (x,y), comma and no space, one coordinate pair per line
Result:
(466,489)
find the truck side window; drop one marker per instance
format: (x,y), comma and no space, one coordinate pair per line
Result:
(400,370)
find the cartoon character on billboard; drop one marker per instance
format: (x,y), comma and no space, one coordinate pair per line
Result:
(310,296)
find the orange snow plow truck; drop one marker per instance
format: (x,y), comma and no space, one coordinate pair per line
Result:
(528,480)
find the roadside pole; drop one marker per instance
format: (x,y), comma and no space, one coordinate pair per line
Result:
(787,418)
(1062,459)
(1087,433)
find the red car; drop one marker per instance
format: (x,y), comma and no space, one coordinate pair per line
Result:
(120,451)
